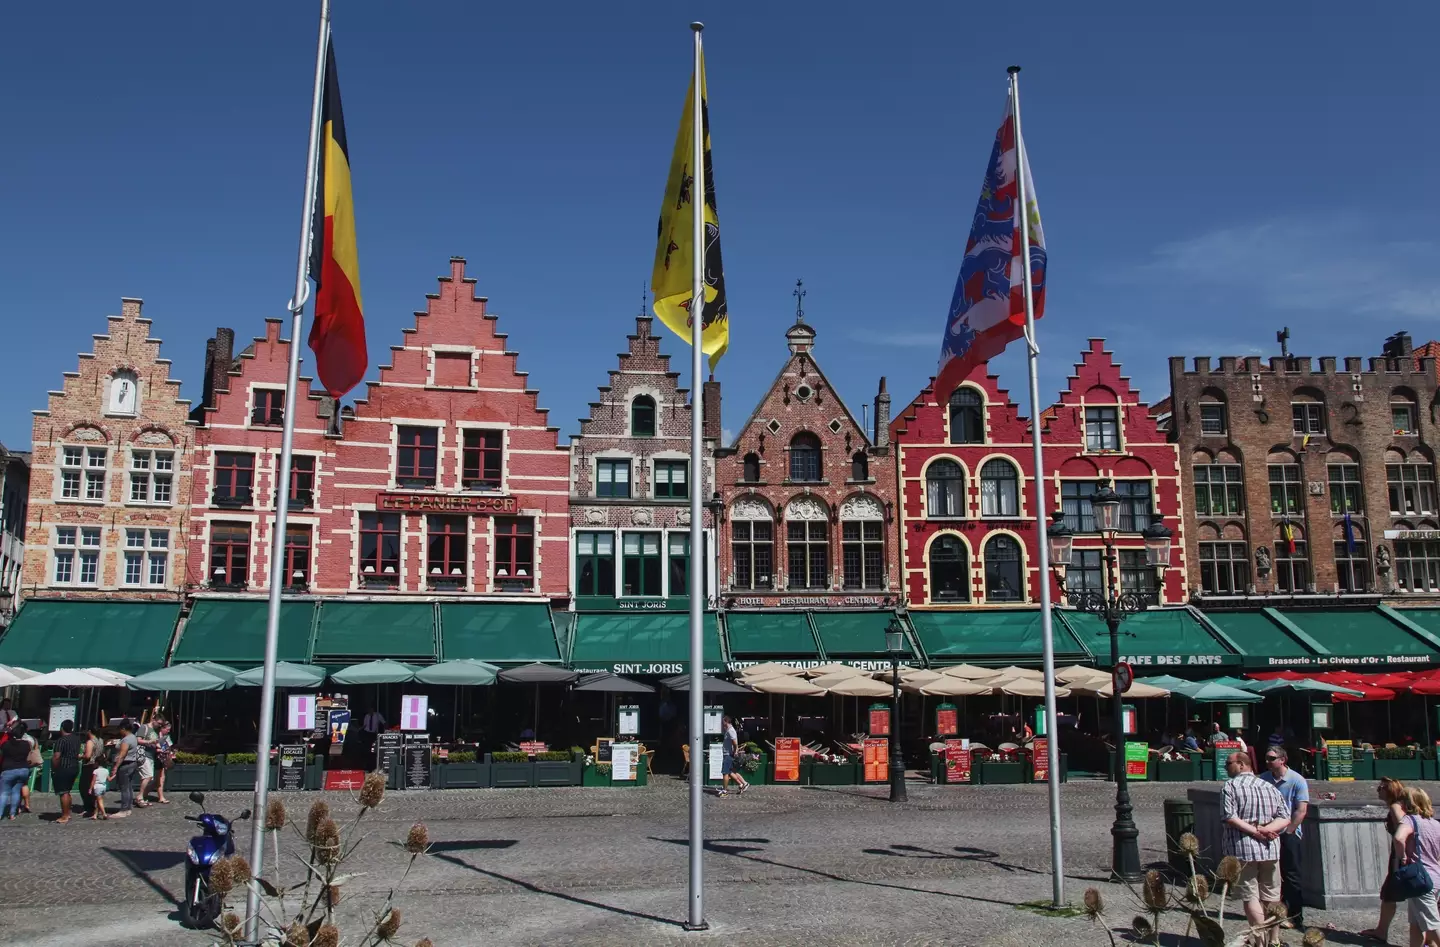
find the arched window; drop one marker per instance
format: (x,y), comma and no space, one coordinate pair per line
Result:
(859,466)
(805,457)
(750,471)
(1002,570)
(944,489)
(967,417)
(949,572)
(642,416)
(999,489)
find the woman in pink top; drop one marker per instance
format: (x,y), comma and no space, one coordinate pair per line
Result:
(1419,836)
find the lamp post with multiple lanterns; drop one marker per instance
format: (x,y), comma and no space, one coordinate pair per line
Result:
(896,648)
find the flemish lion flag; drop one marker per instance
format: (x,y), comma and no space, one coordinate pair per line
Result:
(672,278)
(338,334)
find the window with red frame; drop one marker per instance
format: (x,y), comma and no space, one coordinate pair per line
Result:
(297,557)
(302,482)
(481,460)
(234,477)
(446,560)
(380,547)
(514,551)
(415,456)
(229,554)
(269,409)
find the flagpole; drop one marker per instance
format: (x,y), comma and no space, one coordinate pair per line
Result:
(282,497)
(1052,731)
(696,920)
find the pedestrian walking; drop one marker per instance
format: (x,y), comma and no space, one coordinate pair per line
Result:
(147,735)
(730,744)
(1417,840)
(7,715)
(127,764)
(99,786)
(35,763)
(1296,791)
(65,767)
(164,758)
(1396,798)
(14,769)
(1255,814)
(91,751)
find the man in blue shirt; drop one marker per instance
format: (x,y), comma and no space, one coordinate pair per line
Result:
(1297,796)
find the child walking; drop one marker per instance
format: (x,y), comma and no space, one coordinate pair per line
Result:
(99,785)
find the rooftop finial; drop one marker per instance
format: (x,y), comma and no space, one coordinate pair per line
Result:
(799,295)
(644,299)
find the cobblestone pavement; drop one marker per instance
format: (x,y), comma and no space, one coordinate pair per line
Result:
(785,866)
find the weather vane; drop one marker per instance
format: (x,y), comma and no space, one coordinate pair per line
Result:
(799,295)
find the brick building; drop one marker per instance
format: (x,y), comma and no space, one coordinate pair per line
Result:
(14,497)
(967,473)
(1310,479)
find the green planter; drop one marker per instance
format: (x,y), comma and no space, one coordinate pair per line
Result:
(558,773)
(191,777)
(1183,771)
(1430,769)
(591,776)
(1365,768)
(235,777)
(1403,770)
(760,776)
(315,774)
(510,775)
(987,773)
(462,776)
(1064,770)
(833,774)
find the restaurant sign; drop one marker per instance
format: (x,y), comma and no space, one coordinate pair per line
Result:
(859,664)
(444,503)
(1423,535)
(1181,660)
(810,601)
(1340,660)
(631,668)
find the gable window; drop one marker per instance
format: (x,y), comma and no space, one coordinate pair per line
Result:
(752,545)
(1286,493)
(380,548)
(859,467)
(446,560)
(229,554)
(415,453)
(269,408)
(750,468)
(514,552)
(77,555)
(297,557)
(595,563)
(944,489)
(671,479)
(152,476)
(302,482)
(999,489)
(1002,570)
(805,458)
(967,417)
(1102,428)
(1345,490)
(234,478)
(82,473)
(1417,565)
(807,544)
(147,554)
(949,571)
(1307,417)
(1212,419)
(642,416)
(481,456)
(863,552)
(1224,568)
(1412,488)
(1138,576)
(1219,489)
(641,564)
(612,478)
(1352,568)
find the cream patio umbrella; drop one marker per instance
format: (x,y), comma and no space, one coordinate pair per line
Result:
(906,674)
(944,686)
(769,669)
(1102,688)
(1025,687)
(833,668)
(1013,672)
(969,672)
(787,685)
(856,686)
(1079,672)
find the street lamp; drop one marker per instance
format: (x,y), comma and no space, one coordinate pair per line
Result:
(1113,605)
(896,648)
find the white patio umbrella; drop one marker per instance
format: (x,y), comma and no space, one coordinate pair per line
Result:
(10,675)
(68,677)
(116,678)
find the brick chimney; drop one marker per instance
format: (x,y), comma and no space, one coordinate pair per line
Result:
(224,358)
(882,416)
(1398,345)
(710,401)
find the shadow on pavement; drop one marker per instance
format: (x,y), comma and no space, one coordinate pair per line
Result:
(470,846)
(143,864)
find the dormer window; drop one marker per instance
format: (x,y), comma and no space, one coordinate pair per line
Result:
(642,416)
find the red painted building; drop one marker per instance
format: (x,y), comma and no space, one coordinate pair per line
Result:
(967,473)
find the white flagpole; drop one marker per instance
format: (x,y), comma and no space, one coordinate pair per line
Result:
(1052,733)
(282,496)
(696,921)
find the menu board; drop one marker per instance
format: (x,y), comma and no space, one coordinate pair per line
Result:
(602,749)
(1137,760)
(947,721)
(1223,749)
(629,720)
(533,747)
(715,761)
(714,717)
(1040,759)
(417,765)
(787,759)
(388,745)
(61,710)
(877,758)
(879,720)
(292,767)
(1341,756)
(622,761)
(957,761)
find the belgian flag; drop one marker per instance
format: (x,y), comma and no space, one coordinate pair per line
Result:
(338,334)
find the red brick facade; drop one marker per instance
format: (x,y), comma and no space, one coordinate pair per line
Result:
(445,479)
(967,483)
(809,499)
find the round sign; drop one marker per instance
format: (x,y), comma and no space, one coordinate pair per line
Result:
(1124,677)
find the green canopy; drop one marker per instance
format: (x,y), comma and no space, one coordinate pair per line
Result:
(1304,684)
(286,675)
(179,677)
(460,672)
(219,670)
(376,672)
(1211,692)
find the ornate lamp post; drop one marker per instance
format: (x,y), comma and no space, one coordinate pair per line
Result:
(895,647)
(1114,605)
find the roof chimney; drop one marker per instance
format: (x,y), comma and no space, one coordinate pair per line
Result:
(882,416)
(224,358)
(1398,345)
(710,403)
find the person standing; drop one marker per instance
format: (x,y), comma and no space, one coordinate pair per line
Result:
(146,739)
(729,746)
(127,763)
(1255,814)
(1297,796)
(1396,798)
(91,750)
(1418,838)
(7,715)
(1217,735)
(65,767)
(164,757)
(372,725)
(14,770)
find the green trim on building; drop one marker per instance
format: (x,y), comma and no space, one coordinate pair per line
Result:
(232,631)
(986,636)
(355,632)
(641,643)
(771,635)
(129,637)
(498,632)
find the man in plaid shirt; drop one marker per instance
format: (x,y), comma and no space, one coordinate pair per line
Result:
(1255,814)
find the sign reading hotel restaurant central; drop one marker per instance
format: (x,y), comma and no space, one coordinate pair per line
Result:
(444,503)
(809,601)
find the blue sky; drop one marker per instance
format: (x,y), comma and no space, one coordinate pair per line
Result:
(1205,177)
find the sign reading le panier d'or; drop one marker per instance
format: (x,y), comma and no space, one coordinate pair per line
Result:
(444,503)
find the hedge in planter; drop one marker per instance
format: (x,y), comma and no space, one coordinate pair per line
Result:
(462,771)
(1402,763)
(192,772)
(833,774)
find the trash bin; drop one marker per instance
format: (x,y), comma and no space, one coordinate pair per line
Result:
(1179,819)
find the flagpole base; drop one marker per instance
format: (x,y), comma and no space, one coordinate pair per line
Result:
(702,926)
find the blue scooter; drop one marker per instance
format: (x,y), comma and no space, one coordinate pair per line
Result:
(200,907)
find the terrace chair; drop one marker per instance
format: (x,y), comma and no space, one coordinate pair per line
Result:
(1005,747)
(685,750)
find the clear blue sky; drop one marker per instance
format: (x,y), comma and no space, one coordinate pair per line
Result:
(1205,175)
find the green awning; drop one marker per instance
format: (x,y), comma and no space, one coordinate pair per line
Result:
(232,631)
(641,643)
(355,632)
(1156,637)
(772,634)
(129,637)
(1427,618)
(853,634)
(498,632)
(984,636)
(1361,633)
(1265,643)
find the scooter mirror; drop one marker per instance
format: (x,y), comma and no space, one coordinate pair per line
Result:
(244,815)
(198,798)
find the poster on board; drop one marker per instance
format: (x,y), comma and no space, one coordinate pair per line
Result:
(1223,749)
(1040,759)
(418,758)
(339,719)
(300,715)
(714,716)
(879,720)
(787,759)
(1340,754)
(292,767)
(622,761)
(629,723)
(388,746)
(714,761)
(414,712)
(1137,760)
(61,710)
(957,761)
(947,722)
(877,759)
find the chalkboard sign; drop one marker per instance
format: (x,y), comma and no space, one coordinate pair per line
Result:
(1340,754)
(388,745)
(602,749)
(292,767)
(417,765)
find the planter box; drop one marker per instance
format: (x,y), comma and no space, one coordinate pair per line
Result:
(591,776)
(833,774)
(761,776)
(191,777)
(1430,770)
(987,773)
(1403,770)
(557,773)
(1175,772)
(315,774)
(1365,768)
(237,777)
(462,776)
(510,775)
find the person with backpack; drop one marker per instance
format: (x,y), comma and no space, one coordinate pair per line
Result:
(1417,851)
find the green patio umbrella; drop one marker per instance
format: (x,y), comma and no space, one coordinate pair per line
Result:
(1305,684)
(460,672)
(286,675)
(1210,692)
(376,672)
(219,670)
(179,677)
